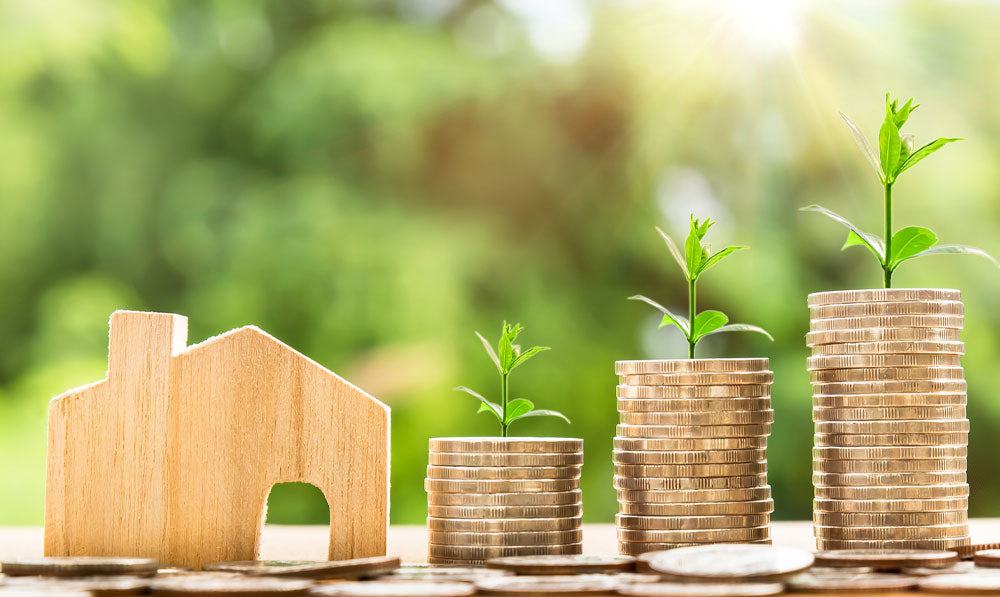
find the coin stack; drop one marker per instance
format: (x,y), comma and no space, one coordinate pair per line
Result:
(491,497)
(690,453)
(889,396)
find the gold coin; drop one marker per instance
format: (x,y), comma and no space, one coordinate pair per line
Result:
(689,444)
(549,498)
(887,479)
(881,309)
(851,440)
(557,565)
(625,521)
(693,431)
(484,552)
(889,400)
(228,584)
(689,457)
(690,366)
(896,347)
(506,538)
(915,492)
(836,297)
(431,573)
(558,511)
(693,536)
(731,562)
(502,525)
(395,588)
(889,426)
(698,509)
(890,466)
(850,582)
(664,484)
(881,505)
(688,392)
(987,558)
(731,417)
(683,589)
(535,586)
(884,335)
(886,374)
(316,570)
(691,470)
(495,445)
(696,496)
(855,361)
(886,559)
(892,533)
(890,387)
(634,548)
(699,379)
(890,519)
(909,413)
(948,543)
(508,459)
(503,472)
(669,405)
(500,486)
(890,453)
(78,566)
(971,583)
(817,324)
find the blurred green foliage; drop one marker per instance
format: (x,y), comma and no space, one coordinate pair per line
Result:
(371,182)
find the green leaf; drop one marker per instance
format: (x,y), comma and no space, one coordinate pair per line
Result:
(707,322)
(908,242)
(692,249)
(524,356)
(489,350)
(505,349)
(714,259)
(903,113)
(517,408)
(957,250)
(742,327)
(865,147)
(484,404)
(888,143)
(668,317)
(923,152)
(873,242)
(544,413)
(675,252)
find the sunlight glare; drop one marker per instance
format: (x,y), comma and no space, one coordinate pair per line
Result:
(764,25)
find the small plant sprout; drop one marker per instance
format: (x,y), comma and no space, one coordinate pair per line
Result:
(695,261)
(507,357)
(896,155)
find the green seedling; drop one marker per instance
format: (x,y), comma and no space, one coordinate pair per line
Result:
(695,261)
(896,155)
(507,357)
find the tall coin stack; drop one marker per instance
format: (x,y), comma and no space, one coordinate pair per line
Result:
(889,396)
(690,453)
(491,497)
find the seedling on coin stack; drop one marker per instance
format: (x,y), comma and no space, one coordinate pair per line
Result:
(690,452)
(889,392)
(501,496)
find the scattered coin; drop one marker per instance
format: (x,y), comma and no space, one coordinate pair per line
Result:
(699,379)
(886,400)
(890,452)
(485,552)
(890,347)
(691,470)
(95,586)
(884,335)
(396,588)
(79,566)
(987,558)
(732,562)
(632,522)
(484,512)
(501,486)
(679,589)
(694,405)
(230,585)
(491,445)
(890,519)
(882,295)
(690,392)
(697,509)
(494,525)
(896,506)
(969,583)
(967,551)
(639,549)
(693,432)
(690,457)
(317,570)
(886,374)
(731,417)
(860,440)
(689,444)
(689,366)
(541,498)
(563,564)
(696,495)
(819,324)
(917,492)
(529,586)
(883,427)
(959,568)
(503,472)
(694,536)
(849,583)
(435,573)
(883,479)
(883,360)
(910,413)
(667,484)
(505,459)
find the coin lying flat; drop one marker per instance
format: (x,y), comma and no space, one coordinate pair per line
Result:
(940,465)
(541,498)
(883,295)
(909,413)
(492,445)
(691,470)
(679,589)
(689,392)
(693,536)
(879,427)
(850,583)
(79,566)
(890,452)
(912,386)
(697,509)
(897,506)
(505,459)
(987,558)
(918,492)
(493,525)
(522,586)
(888,347)
(377,588)
(500,486)
(690,366)
(94,586)
(505,512)
(699,379)
(485,552)
(883,479)
(818,324)
(625,521)
(923,400)
(689,458)
(731,417)
(886,559)
(692,405)
(434,573)
(731,562)
(849,440)
(318,570)
(884,335)
(666,484)
(689,444)
(695,495)
(890,519)
(503,472)
(883,360)
(694,432)
(941,531)
(886,373)
(230,585)
(563,564)
(968,583)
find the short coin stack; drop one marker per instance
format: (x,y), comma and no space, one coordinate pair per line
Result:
(491,497)
(690,453)
(889,396)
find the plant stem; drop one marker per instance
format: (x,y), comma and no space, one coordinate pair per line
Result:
(691,314)
(504,385)
(887,272)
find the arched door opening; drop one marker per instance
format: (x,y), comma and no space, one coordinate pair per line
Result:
(291,504)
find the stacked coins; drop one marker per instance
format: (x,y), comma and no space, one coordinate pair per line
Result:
(889,396)
(490,497)
(690,453)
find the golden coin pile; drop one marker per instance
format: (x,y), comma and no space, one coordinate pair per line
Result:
(889,396)
(690,453)
(490,497)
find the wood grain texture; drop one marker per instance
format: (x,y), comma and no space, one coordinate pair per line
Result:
(173,455)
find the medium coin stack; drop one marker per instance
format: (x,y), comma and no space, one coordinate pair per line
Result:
(889,396)
(690,453)
(490,497)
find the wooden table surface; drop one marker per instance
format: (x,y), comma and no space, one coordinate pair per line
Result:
(410,542)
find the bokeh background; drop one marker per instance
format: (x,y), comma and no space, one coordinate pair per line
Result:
(373,181)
